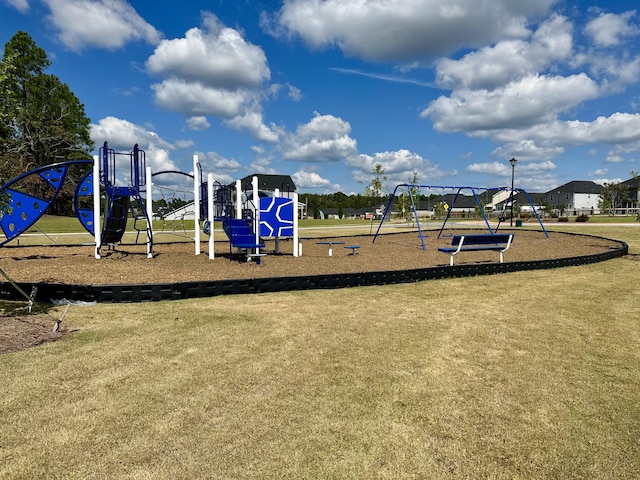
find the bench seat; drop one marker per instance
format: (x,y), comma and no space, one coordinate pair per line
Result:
(477,243)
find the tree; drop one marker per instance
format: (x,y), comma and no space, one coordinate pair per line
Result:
(404,198)
(42,120)
(612,196)
(377,187)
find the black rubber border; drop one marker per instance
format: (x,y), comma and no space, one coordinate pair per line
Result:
(49,292)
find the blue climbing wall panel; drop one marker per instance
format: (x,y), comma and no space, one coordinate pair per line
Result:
(276,217)
(84,190)
(24,209)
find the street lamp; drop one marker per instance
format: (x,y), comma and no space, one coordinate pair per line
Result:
(513,162)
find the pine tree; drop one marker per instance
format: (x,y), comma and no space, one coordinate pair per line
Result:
(42,121)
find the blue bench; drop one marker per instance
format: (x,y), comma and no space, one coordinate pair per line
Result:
(478,243)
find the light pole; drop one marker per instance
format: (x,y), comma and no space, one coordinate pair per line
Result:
(513,162)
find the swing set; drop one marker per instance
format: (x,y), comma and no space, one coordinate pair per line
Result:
(414,193)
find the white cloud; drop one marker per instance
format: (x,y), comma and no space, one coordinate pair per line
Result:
(198,123)
(403,32)
(304,179)
(398,166)
(610,29)
(195,99)
(494,66)
(106,24)
(216,57)
(214,71)
(295,93)
(20,5)
(532,100)
(122,135)
(324,139)
(503,169)
(221,167)
(252,121)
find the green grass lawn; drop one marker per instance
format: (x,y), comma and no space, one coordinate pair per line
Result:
(521,375)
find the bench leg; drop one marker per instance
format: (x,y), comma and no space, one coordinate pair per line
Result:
(501,257)
(451,260)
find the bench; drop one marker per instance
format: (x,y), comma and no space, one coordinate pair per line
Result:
(478,243)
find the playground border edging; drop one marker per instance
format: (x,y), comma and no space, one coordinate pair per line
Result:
(47,292)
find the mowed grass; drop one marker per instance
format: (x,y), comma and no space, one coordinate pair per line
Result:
(523,375)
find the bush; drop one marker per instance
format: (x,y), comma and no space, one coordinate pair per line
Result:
(563,219)
(582,218)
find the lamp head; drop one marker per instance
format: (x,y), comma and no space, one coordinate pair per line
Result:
(513,162)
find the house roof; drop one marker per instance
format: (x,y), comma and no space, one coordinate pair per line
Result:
(284,183)
(577,186)
(632,182)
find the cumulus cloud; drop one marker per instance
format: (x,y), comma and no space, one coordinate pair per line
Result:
(106,24)
(310,180)
(323,139)
(217,57)
(527,102)
(213,71)
(610,29)
(198,123)
(507,61)
(222,168)
(416,31)
(398,166)
(122,135)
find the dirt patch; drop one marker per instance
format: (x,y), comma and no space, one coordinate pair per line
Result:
(18,333)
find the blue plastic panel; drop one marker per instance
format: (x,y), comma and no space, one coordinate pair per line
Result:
(276,217)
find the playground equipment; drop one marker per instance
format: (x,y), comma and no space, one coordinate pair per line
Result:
(118,200)
(250,215)
(103,206)
(475,192)
(25,209)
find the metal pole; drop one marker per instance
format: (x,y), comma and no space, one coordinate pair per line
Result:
(513,170)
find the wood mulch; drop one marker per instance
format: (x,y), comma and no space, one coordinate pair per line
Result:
(177,262)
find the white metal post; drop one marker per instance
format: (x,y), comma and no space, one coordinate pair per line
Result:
(210,216)
(149,205)
(97,231)
(256,212)
(297,249)
(196,202)
(238,199)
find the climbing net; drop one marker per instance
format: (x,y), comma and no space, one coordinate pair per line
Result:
(174,205)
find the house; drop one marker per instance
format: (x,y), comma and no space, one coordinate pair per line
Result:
(521,202)
(270,183)
(633,184)
(576,197)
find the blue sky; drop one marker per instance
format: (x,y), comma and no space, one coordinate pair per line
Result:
(325,90)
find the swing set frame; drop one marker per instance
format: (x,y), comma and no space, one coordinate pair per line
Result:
(474,190)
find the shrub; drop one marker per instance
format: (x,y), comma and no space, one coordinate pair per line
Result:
(582,218)
(563,219)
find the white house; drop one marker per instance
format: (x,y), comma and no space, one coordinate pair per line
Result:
(576,197)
